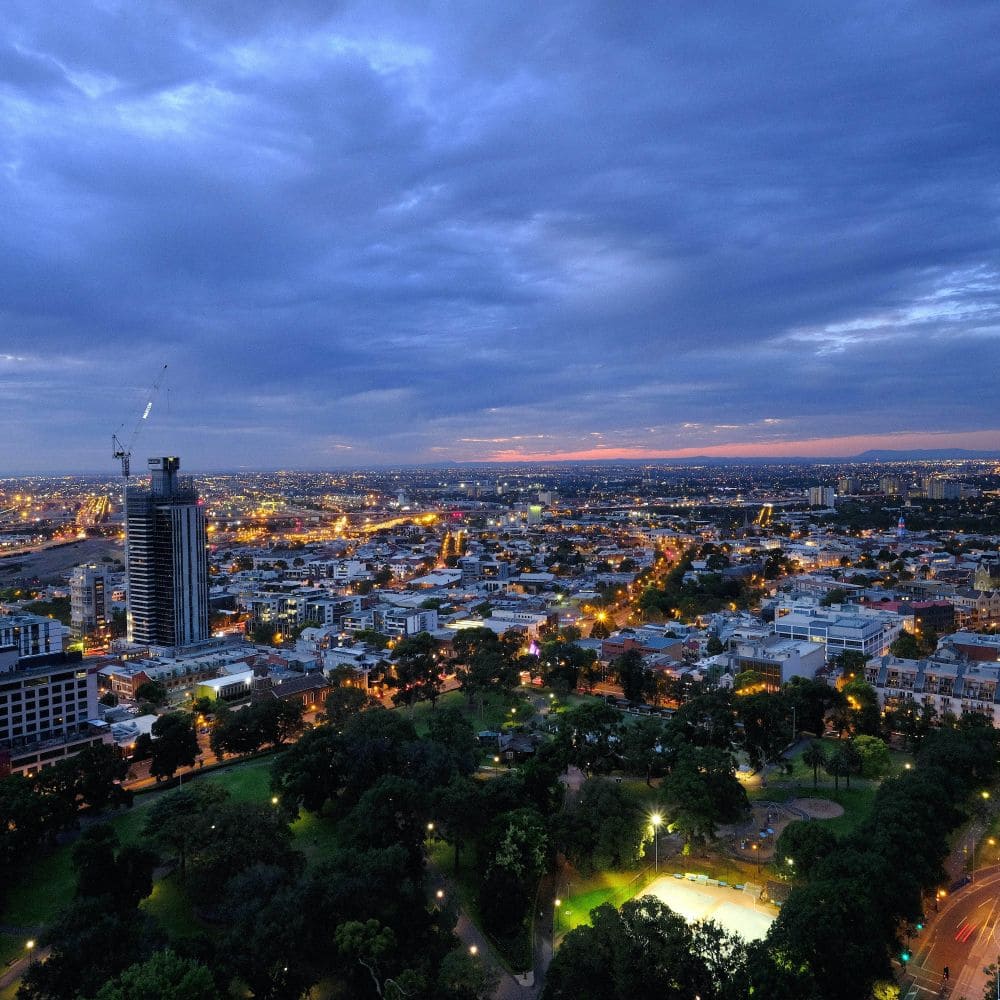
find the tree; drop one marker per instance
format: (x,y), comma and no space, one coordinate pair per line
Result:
(835,595)
(416,674)
(174,744)
(312,772)
(394,810)
(456,808)
(811,700)
(842,763)
(452,730)
(767,727)
(486,661)
(645,748)
(588,735)
(747,679)
(163,976)
(154,692)
(605,829)
(714,646)
(992,987)
(31,820)
(814,756)
(862,706)
(371,637)
(701,791)
(631,671)
(266,942)
(92,777)
(234,837)
(805,845)
(825,911)
(372,946)
(179,820)
(345,701)
(876,760)
(80,961)
(276,720)
(235,732)
(600,630)
(640,952)
(120,876)
(906,646)
(561,663)
(517,855)
(466,977)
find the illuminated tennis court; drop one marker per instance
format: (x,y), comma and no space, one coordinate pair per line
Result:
(736,911)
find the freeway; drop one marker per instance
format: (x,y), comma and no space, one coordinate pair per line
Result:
(964,937)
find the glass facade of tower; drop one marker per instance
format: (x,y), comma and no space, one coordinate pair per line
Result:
(167,559)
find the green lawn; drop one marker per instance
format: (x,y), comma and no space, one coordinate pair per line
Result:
(245,782)
(171,907)
(50,883)
(583,894)
(314,836)
(47,888)
(493,713)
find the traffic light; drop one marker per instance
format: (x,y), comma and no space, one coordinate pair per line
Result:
(920,927)
(905,957)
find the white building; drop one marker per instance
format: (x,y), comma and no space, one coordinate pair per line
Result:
(839,632)
(947,682)
(90,599)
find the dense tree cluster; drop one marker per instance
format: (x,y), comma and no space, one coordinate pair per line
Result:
(848,914)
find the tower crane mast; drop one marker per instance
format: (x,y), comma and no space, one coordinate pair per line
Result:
(123,452)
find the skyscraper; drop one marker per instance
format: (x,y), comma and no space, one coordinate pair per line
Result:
(167,559)
(90,597)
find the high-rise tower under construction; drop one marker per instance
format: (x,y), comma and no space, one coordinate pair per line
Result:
(167,559)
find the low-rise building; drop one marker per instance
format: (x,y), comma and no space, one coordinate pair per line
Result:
(776,659)
(867,634)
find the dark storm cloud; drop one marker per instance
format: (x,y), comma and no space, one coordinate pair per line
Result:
(369,233)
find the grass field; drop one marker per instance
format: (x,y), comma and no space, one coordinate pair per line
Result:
(171,907)
(50,884)
(493,713)
(584,893)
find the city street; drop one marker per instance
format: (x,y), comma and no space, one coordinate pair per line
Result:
(963,936)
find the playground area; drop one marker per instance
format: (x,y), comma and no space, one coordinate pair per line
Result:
(697,898)
(755,839)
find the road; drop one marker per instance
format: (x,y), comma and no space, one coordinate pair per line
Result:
(964,936)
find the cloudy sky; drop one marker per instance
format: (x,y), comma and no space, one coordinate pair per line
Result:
(370,232)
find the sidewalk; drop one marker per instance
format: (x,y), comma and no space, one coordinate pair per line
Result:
(469,934)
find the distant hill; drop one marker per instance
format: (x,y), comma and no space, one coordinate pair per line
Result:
(924,455)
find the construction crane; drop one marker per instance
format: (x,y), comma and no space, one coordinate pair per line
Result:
(123,452)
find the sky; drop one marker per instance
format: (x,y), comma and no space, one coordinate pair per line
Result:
(378,233)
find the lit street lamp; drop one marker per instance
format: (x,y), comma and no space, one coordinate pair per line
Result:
(558,905)
(30,946)
(656,819)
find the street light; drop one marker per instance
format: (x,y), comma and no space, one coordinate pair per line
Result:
(558,904)
(30,945)
(473,950)
(656,819)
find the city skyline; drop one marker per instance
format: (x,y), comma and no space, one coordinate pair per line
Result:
(573,232)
